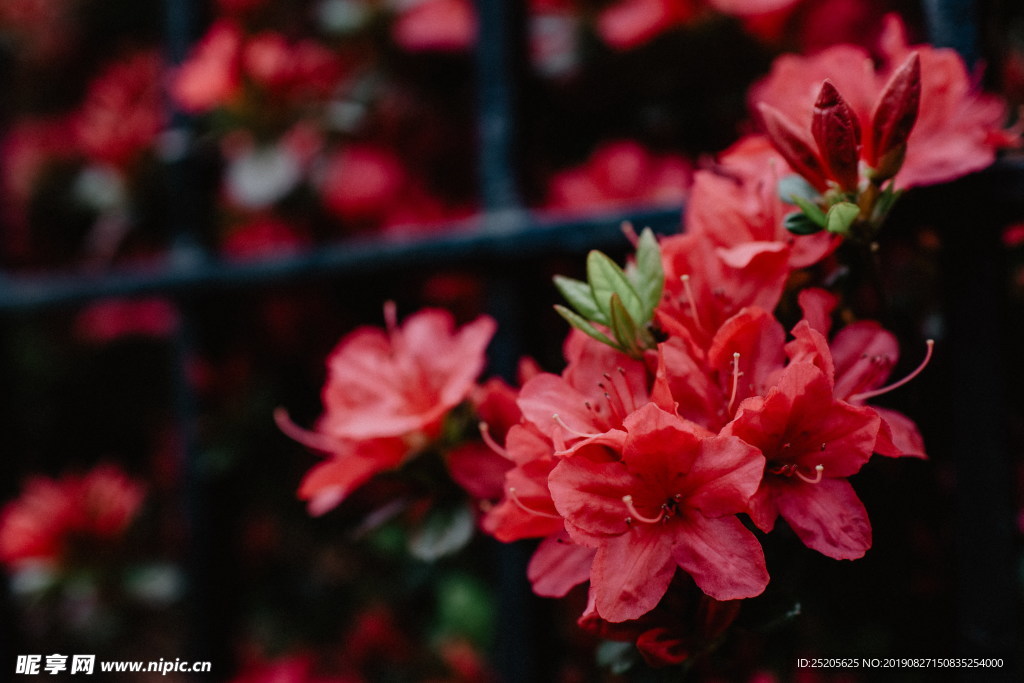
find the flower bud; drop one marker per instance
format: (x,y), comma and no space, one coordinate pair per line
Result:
(894,118)
(790,143)
(837,132)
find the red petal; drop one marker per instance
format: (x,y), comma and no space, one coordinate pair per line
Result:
(898,436)
(828,517)
(631,572)
(723,557)
(558,566)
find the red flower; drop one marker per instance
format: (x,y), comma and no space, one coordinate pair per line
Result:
(811,443)
(737,207)
(122,113)
(211,77)
(55,518)
(705,287)
(386,395)
(362,183)
(958,129)
(620,173)
(448,25)
(669,502)
(627,24)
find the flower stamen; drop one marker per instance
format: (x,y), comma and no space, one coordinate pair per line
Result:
(561,423)
(688,290)
(485,434)
(818,471)
(735,379)
(863,396)
(518,502)
(309,439)
(635,514)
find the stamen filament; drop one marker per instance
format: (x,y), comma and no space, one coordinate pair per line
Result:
(863,396)
(561,423)
(691,301)
(735,379)
(485,434)
(518,502)
(818,471)
(309,439)
(635,514)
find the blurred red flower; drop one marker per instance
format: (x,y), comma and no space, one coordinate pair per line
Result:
(53,517)
(122,113)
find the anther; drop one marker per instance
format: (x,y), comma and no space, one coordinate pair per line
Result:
(485,434)
(635,514)
(863,396)
(517,501)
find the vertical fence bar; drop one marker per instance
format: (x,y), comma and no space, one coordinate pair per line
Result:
(207,616)
(500,22)
(975,271)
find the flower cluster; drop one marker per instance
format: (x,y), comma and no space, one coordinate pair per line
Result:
(57,522)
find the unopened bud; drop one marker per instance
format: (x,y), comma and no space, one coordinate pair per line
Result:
(837,132)
(790,143)
(894,118)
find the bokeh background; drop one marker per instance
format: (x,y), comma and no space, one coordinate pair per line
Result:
(198,199)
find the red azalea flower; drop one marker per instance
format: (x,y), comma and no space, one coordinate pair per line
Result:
(627,24)
(671,501)
(113,319)
(597,390)
(858,360)
(52,518)
(737,207)
(958,129)
(122,113)
(303,69)
(386,395)
(705,287)
(620,173)
(811,443)
(362,183)
(211,77)
(263,237)
(446,25)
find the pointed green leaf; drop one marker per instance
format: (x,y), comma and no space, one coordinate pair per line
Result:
(811,210)
(580,297)
(624,327)
(606,278)
(584,326)
(841,216)
(799,224)
(649,274)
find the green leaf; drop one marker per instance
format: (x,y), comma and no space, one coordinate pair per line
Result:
(581,297)
(624,327)
(799,224)
(840,217)
(606,278)
(796,186)
(649,275)
(584,326)
(811,210)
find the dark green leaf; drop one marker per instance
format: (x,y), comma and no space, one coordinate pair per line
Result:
(799,224)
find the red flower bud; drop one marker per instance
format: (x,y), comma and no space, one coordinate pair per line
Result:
(896,111)
(790,143)
(837,132)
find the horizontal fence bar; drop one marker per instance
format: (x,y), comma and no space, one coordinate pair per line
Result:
(504,235)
